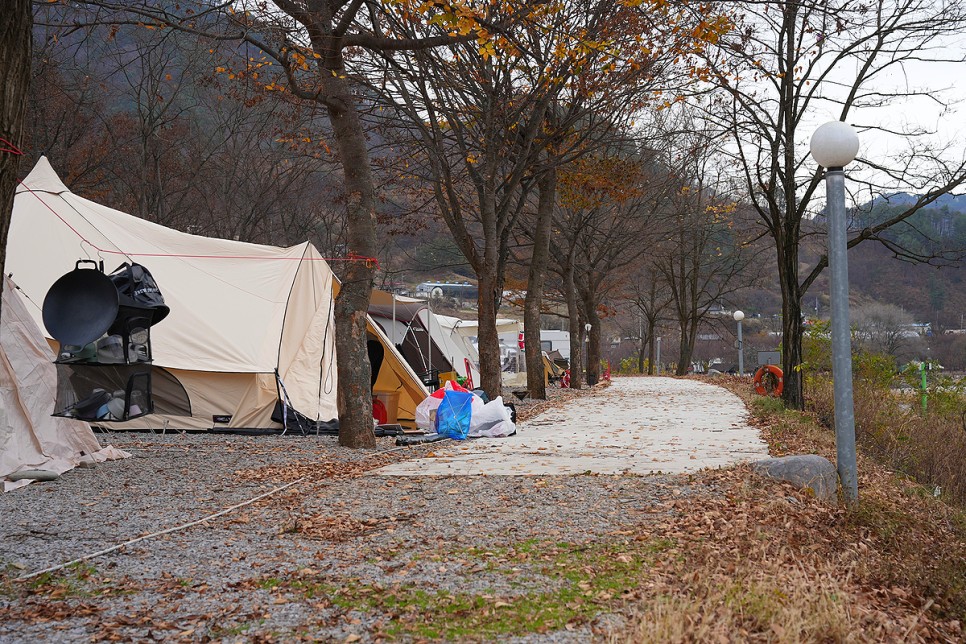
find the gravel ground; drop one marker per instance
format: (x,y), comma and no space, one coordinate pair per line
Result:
(300,563)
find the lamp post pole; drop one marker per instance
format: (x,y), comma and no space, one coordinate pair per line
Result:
(739,316)
(834,145)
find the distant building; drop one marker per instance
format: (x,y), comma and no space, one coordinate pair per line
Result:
(555,341)
(917,329)
(455,290)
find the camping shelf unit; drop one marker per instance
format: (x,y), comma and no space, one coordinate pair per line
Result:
(108,380)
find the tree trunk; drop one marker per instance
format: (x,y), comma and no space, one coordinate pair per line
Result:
(684,361)
(788,257)
(489,341)
(547,187)
(15,51)
(650,348)
(352,302)
(576,329)
(793,390)
(593,342)
(689,331)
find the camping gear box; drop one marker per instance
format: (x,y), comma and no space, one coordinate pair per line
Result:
(390,401)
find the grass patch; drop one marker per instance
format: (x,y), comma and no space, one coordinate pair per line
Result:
(77,581)
(74,581)
(234,630)
(582,581)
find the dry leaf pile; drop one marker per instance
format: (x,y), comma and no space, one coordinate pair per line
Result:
(325,469)
(760,561)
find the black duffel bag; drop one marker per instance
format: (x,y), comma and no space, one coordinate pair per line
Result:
(137,288)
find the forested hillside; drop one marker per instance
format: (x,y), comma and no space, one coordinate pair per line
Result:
(200,134)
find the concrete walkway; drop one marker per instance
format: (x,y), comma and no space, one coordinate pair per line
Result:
(637,426)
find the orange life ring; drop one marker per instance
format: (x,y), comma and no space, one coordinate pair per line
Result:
(769,380)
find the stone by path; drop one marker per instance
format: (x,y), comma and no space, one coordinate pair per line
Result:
(638,425)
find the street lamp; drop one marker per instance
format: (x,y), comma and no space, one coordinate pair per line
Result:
(739,316)
(587,328)
(834,145)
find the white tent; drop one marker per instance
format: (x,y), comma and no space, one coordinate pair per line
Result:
(428,340)
(441,342)
(30,438)
(239,311)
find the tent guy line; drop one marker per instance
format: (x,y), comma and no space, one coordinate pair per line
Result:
(10,148)
(177,528)
(190,524)
(351,258)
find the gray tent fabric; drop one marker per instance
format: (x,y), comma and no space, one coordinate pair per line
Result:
(30,438)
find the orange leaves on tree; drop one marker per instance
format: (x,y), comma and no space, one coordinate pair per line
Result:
(249,71)
(592,181)
(304,142)
(711,30)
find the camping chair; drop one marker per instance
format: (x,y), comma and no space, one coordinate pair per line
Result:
(430,379)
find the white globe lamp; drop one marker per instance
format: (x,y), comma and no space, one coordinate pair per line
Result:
(834,144)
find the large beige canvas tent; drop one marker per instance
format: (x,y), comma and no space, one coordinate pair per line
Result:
(30,438)
(239,311)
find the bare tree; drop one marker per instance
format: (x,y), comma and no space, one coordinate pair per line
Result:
(787,60)
(603,89)
(648,299)
(142,120)
(493,128)
(702,262)
(476,144)
(885,328)
(705,255)
(311,44)
(609,215)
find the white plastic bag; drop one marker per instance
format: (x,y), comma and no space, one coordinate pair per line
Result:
(426,413)
(426,410)
(491,420)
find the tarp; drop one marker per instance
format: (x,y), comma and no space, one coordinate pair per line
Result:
(30,438)
(239,311)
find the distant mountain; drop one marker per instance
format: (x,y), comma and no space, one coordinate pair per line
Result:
(953,202)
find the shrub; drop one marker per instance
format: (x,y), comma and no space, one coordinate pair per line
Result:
(890,422)
(629,366)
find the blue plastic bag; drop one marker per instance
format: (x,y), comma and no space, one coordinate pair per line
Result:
(453,415)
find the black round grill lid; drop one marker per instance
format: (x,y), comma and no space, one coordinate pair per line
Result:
(80,306)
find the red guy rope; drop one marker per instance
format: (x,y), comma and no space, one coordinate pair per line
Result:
(10,148)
